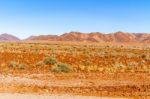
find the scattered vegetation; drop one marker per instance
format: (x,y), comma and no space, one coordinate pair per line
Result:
(82,58)
(16,65)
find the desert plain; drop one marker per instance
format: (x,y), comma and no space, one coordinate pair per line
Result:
(75,69)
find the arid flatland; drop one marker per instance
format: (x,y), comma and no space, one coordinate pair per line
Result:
(88,69)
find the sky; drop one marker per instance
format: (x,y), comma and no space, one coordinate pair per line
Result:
(24,18)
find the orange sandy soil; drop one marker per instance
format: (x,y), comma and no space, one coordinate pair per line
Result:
(100,81)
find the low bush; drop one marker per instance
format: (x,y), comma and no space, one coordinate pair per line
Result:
(40,63)
(65,68)
(50,61)
(21,66)
(146,57)
(13,64)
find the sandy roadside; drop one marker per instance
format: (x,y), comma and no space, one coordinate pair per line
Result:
(27,96)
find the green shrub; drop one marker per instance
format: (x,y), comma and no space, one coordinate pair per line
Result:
(146,57)
(119,65)
(61,68)
(143,56)
(13,64)
(40,63)
(50,61)
(21,66)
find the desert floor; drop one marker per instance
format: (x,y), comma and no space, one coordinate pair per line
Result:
(88,71)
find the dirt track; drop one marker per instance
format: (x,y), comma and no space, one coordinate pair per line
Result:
(23,96)
(94,84)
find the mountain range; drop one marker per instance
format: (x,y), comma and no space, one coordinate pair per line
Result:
(119,37)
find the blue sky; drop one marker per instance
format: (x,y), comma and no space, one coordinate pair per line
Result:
(23,18)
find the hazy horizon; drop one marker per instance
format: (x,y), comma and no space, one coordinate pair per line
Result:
(24,18)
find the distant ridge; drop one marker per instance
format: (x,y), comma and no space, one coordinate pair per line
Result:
(119,37)
(8,37)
